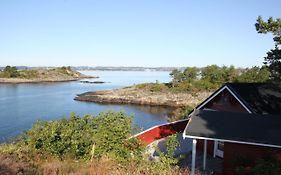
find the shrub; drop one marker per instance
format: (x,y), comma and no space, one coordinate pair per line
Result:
(265,166)
(111,136)
(75,136)
(167,159)
(157,87)
(180,113)
(152,87)
(65,70)
(10,72)
(29,74)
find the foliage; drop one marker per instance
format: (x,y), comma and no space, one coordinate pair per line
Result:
(254,74)
(271,26)
(180,113)
(167,159)
(112,136)
(56,73)
(10,72)
(269,165)
(152,87)
(177,77)
(99,144)
(273,58)
(212,77)
(208,78)
(65,70)
(75,136)
(102,166)
(190,74)
(157,87)
(213,74)
(29,74)
(273,61)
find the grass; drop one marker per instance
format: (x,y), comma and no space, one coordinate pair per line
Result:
(182,87)
(11,164)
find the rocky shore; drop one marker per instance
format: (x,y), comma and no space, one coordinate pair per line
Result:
(42,75)
(133,95)
(21,80)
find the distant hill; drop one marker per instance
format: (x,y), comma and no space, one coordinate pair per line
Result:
(32,75)
(105,68)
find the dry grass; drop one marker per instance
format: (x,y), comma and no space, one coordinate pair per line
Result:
(10,165)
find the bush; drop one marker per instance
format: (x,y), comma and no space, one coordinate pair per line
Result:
(180,113)
(75,136)
(111,136)
(66,146)
(157,87)
(266,166)
(29,74)
(152,87)
(65,70)
(10,72)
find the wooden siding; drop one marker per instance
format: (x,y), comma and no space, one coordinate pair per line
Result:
(161,131)
(252,152)
(226,102)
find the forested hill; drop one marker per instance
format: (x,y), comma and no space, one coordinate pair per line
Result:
(212,77)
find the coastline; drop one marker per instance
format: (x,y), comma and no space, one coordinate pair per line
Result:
(132,95)
(40,80)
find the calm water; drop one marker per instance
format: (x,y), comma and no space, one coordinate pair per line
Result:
(23,104)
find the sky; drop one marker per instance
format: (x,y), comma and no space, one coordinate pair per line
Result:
(134,32)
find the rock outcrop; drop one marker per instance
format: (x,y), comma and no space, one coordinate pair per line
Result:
(133,95)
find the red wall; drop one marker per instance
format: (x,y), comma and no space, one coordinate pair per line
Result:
(161,131)
(210,146)
(225,102)
(253,152)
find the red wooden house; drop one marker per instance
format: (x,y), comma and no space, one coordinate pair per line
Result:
(237,119)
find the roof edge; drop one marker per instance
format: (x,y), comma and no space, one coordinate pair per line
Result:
(232,141)
(232,92)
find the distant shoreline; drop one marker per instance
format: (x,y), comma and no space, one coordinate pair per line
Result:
(21,80)
(106,68)
(10,75)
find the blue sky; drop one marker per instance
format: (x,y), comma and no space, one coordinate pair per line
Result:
(134,32)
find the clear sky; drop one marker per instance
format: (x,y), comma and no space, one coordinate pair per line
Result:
(134,32)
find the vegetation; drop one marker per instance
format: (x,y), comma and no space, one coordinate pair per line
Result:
(273,58)
(208,78)
(13,72)
(269,165)
(181,113)
(74,137)
(9,72)
(99,144)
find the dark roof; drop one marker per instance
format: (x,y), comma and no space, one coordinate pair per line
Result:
(238,127)
(260,98)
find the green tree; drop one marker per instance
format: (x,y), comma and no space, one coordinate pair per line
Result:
(177,77)
(11,72)
(190,74)
(213,74)
(273,58)
(229,73)
(254,75)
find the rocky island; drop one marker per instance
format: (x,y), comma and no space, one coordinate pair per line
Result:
(62,74)
(145,94)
